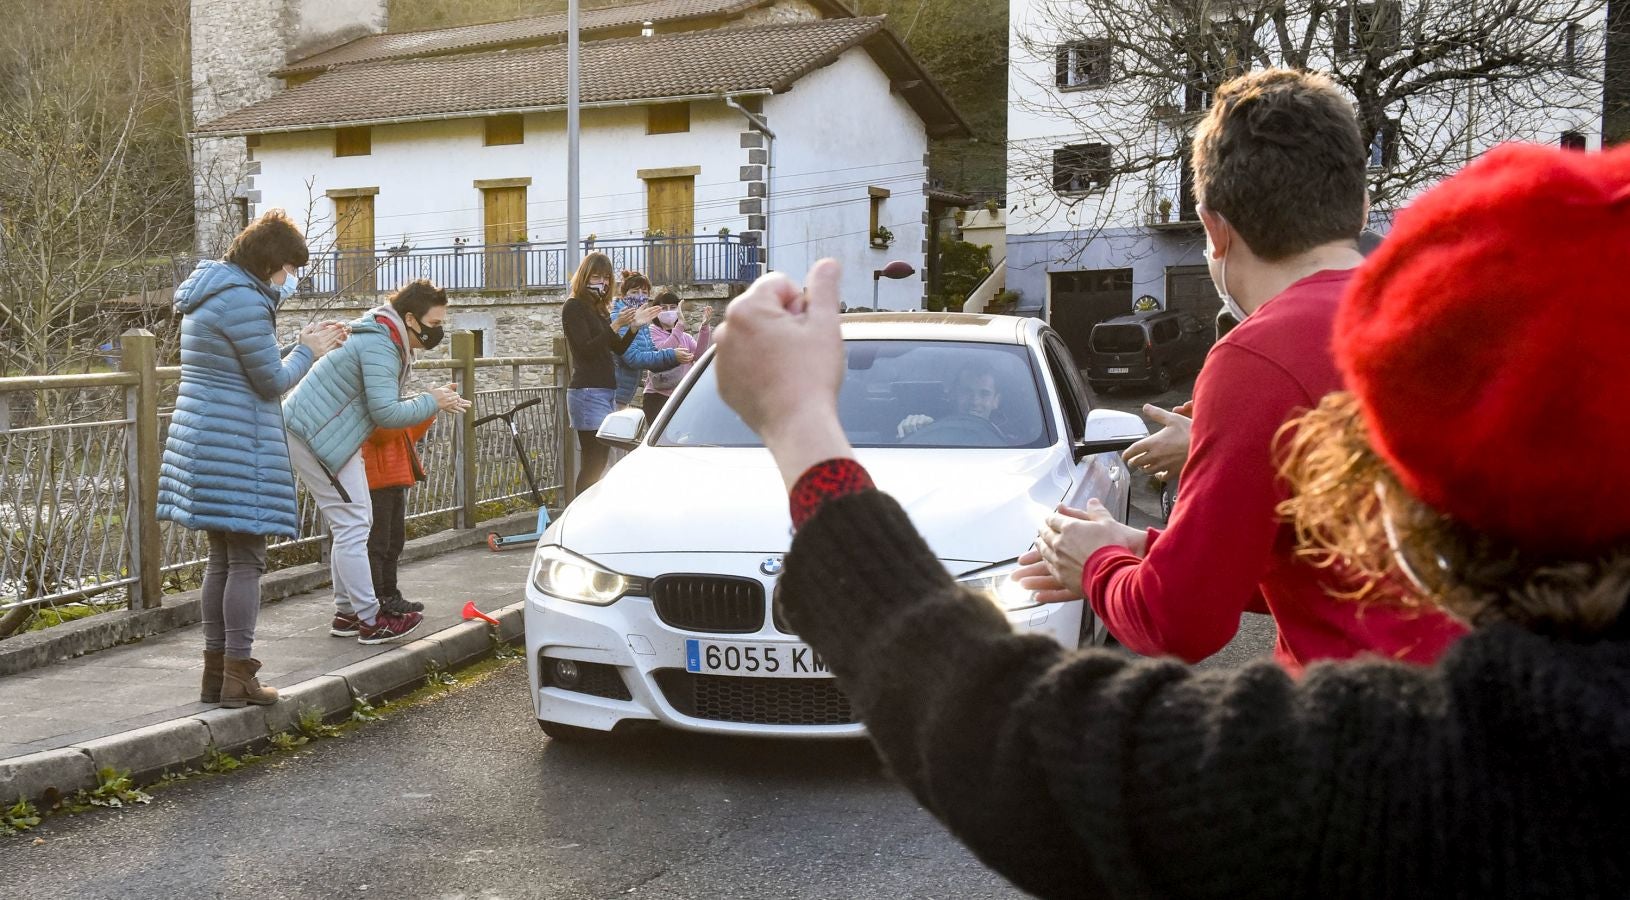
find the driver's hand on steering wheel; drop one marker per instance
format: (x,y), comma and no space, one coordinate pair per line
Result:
(911,424)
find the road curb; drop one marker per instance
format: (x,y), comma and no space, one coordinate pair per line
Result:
(151,751)
(33,650)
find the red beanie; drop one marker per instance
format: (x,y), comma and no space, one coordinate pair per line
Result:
(1488,343)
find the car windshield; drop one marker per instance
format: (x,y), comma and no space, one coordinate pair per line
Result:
(1117,338)
(900,394)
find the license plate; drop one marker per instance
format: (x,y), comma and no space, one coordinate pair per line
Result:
(1121,371)
(754,660)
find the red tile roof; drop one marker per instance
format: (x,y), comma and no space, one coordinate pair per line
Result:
(520,32)
(761,58)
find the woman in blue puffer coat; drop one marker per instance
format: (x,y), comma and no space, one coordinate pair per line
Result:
(226,463)
(641,356)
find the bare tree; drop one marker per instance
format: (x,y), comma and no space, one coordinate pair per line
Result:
(94,187)
(1434,82)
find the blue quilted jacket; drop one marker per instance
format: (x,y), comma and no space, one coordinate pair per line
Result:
(354,390)
(226,460)
(640,356)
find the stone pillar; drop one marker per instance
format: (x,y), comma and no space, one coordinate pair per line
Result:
(236,45)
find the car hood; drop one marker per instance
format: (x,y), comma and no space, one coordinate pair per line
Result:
(974,506)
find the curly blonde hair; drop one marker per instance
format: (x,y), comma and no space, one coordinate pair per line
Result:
(1344,496)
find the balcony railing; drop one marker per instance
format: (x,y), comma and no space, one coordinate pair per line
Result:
(685,259)
(1171,202)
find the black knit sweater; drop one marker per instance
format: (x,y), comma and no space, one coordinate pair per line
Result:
(1504,771)
(593,342)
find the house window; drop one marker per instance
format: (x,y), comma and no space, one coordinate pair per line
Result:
(1084,64)
(1570,45)
(1368,28)
(502,130)
(240,213)
(353,141)
(667,118)
(877,195)
(1384,146)
(1082,168)
(1572,140)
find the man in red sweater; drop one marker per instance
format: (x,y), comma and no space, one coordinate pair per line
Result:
(1280,172)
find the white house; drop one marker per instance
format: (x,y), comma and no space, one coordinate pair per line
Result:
(1100,206)
(718,137)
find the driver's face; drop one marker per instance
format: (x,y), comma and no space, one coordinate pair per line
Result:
(975,395)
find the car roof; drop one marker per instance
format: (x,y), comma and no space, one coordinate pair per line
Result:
(1139,318)
(939,326)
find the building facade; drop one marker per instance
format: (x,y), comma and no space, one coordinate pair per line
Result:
(719,138)
(1101,207)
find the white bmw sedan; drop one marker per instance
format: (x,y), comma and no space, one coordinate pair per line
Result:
(650,598)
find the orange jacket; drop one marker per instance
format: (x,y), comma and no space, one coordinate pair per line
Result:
(392,457)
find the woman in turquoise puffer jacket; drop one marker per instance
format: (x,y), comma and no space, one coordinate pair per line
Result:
(226,463)
(332,413)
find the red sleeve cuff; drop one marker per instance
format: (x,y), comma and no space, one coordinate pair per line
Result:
(826,481)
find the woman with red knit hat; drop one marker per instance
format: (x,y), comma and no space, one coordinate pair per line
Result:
(1477,454)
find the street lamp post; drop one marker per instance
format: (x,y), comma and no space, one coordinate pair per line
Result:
(573,126)
(896,270)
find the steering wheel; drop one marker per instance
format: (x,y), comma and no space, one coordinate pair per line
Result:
(961,429)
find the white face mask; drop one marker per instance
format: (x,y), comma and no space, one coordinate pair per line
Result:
(668,317)
(1228,300)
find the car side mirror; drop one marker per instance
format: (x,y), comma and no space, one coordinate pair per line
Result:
(623,429)
(1109,431)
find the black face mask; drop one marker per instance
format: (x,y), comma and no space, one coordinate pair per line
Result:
(430,335)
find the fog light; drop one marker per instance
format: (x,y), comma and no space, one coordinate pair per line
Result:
(566,674)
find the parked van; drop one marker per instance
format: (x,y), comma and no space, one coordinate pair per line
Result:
(1150,349)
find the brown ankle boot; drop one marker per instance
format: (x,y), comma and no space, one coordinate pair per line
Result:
(239,685)
(214,661)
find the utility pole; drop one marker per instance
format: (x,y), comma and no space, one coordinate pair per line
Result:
(574,246)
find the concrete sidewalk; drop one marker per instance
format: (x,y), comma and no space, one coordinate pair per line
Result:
(136,706)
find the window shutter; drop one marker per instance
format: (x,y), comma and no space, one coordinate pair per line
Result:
(1061,66)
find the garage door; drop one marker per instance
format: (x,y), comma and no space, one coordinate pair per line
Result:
(1083,299)
(1190,288)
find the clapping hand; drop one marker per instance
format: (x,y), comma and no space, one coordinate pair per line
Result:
(1068,537)
(448,399)
(1163,453)
(322,337)
(684,356)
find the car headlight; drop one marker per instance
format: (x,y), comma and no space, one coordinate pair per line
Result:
(997,584)
(560,573)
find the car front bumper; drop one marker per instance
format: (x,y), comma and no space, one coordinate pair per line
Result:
(631,665)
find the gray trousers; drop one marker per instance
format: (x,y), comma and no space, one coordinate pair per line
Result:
(350,517)
(231,600)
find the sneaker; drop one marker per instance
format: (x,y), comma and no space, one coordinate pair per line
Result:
(345,625)
(387,627)
(394,605)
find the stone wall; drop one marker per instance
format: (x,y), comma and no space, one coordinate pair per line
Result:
(235,47)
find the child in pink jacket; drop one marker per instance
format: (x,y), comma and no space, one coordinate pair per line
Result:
(668,333)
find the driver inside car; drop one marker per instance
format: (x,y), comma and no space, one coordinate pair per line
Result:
(974,393)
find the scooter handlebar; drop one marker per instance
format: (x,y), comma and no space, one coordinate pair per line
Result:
(509,412)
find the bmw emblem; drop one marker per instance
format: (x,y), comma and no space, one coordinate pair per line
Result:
(771,566)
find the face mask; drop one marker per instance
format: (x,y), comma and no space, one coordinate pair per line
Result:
(430,335)
(599,288)
(1228,300)
(668,317)
(1397,547)
(288,288)
(636,299)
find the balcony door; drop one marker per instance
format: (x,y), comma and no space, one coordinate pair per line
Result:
(670,205)
(355,267)
(505,224)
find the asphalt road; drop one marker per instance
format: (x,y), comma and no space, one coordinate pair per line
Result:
(460,796)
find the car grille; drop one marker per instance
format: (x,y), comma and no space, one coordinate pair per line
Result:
(756,701)
(713,603)
(595,679)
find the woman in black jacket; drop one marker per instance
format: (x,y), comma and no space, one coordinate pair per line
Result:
(1502,771)
(592,338)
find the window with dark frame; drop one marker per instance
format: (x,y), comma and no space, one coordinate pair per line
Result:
(667,118)
(1572,140)
(1367,28)
(1082,168)
(353,141)
(504,130)
(1085,63)
(1570,45)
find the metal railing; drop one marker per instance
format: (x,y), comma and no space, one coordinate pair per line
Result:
(79,460)
(685,259)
